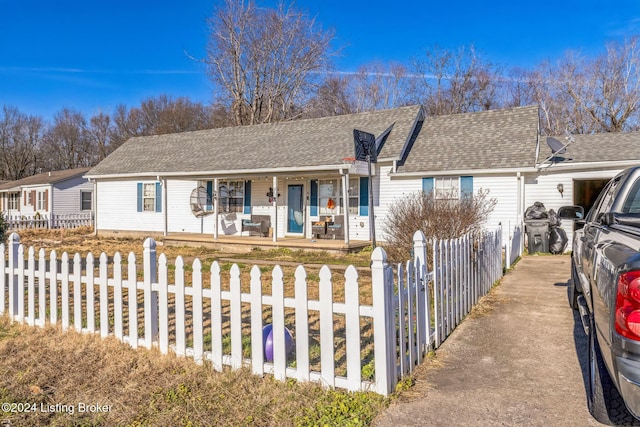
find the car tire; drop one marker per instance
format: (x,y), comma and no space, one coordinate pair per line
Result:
(604,402)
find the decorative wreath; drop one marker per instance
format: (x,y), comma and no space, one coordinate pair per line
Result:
(331,204)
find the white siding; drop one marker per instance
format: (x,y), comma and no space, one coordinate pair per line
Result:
(387,192)
(117,208)
(66,196)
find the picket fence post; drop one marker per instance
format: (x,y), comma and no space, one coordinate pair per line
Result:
(422,292)
(150,296)
(383,320)
(14,244)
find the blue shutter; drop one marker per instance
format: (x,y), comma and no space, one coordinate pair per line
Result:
(466,186)
(247,197)
(364,196)
(313,211)
(209,195)
(158,197)
(139,197)
(427,185)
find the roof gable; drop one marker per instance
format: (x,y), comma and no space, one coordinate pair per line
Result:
(45,178)
(493,139)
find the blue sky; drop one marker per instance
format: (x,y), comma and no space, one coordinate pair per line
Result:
(93,55)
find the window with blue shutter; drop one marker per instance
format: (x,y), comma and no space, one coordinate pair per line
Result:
(139,197)
(149,197)
(209,195)
(158,197)
(466,186)
(364,196)
(427,185)
(247,197)
(313,203)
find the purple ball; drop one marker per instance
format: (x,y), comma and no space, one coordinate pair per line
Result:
(267,339)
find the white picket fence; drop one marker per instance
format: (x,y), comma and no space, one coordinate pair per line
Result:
(46,221)
(413,308)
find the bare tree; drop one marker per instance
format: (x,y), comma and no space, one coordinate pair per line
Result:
(264,62)
(457,82)
(161,115)
(331,99)
(20,136)
(377,86)
(67,144)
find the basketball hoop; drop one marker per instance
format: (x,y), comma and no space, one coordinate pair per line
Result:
(349,160)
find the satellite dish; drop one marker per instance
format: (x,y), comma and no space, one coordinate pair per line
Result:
(556,146)
(201,202)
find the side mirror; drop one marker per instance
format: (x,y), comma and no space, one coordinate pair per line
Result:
(574,213)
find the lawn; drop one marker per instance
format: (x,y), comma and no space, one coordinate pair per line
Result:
(59,375)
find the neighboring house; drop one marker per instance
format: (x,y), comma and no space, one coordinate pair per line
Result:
(51,193)
(297,173)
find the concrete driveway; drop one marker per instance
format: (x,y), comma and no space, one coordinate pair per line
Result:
(513,361)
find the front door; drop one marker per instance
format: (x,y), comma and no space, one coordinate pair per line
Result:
(295,199)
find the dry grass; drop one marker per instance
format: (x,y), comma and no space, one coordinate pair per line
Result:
(142,387)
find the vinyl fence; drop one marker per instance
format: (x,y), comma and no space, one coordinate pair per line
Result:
(47,221)
(337,341)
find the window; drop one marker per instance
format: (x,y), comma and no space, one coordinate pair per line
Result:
(354,193)
(149,197)
(231,196)
(41,198)
(85,200)
(14,201)
(330,196)
(447,187)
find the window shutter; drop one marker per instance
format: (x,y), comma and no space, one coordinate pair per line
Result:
(209,194)
(427,185)
(46,200)
(158,197)
(364,196)
(247,197)
(313,211)
(466,186)
(139,197)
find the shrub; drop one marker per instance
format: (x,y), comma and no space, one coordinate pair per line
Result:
(442,218)
(3,228)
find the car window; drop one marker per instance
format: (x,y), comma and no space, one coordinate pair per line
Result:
(632,203)
(605,199)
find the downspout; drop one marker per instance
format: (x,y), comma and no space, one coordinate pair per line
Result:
(94,207)
(165,215)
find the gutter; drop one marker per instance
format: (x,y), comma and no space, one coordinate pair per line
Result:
(227,173)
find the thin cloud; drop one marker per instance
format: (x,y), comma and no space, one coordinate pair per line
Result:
(91,71)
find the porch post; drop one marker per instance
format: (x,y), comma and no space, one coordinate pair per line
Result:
(345,206)
(275,209)
(215,208)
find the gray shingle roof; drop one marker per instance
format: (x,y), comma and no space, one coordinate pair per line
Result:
(485,140)
(601,147)
(44,178)
(313,142)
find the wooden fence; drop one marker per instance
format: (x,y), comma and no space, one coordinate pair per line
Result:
(412,309)
(19,222)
